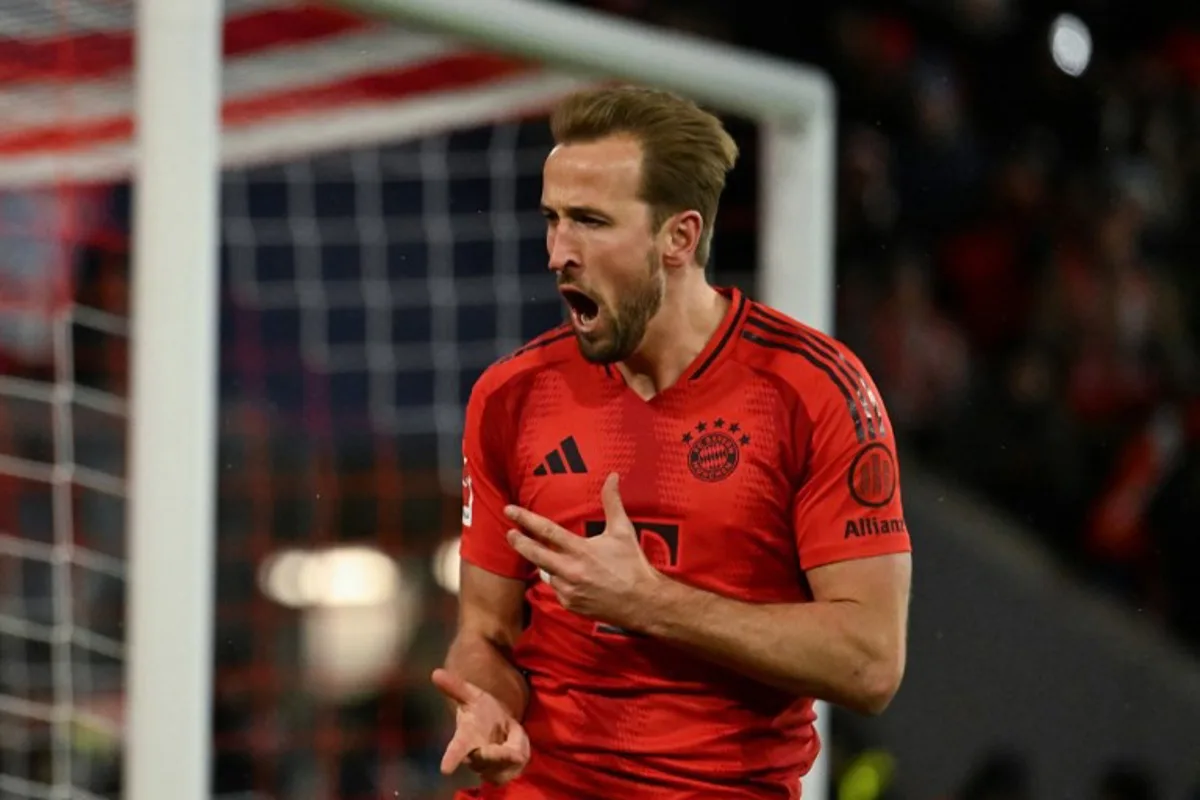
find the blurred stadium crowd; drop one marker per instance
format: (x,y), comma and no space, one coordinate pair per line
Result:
(1015,250)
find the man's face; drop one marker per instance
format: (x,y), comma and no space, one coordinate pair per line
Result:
(601,245)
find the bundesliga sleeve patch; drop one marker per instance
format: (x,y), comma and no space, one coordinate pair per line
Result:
(468,495)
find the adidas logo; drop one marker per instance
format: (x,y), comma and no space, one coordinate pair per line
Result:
(563,459)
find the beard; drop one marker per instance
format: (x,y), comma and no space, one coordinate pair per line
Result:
(623,326)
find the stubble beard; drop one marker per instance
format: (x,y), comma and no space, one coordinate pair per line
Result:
(625,327)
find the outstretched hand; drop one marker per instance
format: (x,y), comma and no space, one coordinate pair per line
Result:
(605,577)
(486,737)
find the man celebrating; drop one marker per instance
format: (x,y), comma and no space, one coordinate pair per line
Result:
(681,511)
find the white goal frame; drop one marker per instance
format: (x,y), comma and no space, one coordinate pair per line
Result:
(172,438)
(173,400)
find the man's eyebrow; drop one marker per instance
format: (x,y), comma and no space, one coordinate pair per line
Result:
(575,212)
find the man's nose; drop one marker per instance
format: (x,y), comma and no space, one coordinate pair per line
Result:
(562,250)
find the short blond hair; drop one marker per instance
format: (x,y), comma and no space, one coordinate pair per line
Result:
(686,151)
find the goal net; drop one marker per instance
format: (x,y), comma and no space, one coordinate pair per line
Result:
(380,246)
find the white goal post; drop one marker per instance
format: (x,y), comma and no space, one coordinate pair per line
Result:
(172,442)
(173,401)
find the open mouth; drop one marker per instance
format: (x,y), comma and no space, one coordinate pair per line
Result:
(584,309)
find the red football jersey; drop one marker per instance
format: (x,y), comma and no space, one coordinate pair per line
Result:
(770,456)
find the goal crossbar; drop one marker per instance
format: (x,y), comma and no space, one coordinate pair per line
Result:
(733,79)
(794,103)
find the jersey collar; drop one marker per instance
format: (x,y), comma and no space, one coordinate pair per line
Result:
(720,344)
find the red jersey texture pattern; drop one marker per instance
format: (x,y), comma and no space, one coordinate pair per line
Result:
(771,455)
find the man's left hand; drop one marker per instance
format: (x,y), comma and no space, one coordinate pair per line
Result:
(604,577)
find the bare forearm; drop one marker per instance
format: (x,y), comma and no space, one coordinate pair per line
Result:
(483,663)
(819,649)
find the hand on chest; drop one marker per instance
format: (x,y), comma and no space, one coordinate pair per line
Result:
(692,479)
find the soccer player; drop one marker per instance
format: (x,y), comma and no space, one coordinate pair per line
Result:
(681,510)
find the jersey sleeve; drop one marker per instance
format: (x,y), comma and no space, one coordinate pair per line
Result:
(848,504)
(485,487)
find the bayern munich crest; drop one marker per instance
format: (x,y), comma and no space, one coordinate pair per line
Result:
(715,449)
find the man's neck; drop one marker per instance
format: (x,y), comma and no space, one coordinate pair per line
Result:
(679,332)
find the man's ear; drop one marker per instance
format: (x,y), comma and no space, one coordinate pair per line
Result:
(680,236)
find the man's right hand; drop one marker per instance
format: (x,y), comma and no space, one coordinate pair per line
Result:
(486,738)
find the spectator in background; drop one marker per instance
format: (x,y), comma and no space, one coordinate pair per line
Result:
(993,263)
(1054,211)
(939,161)
(920,358)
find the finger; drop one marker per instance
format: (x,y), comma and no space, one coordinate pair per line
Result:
(498,763)
(510,757)
(542,529)
(454,687)
(500,772)
(517,739)
(538,554)
(560,589)
(610,498)
(459,750)
(493,756)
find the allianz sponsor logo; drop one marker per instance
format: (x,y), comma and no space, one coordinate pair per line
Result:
(874,526)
